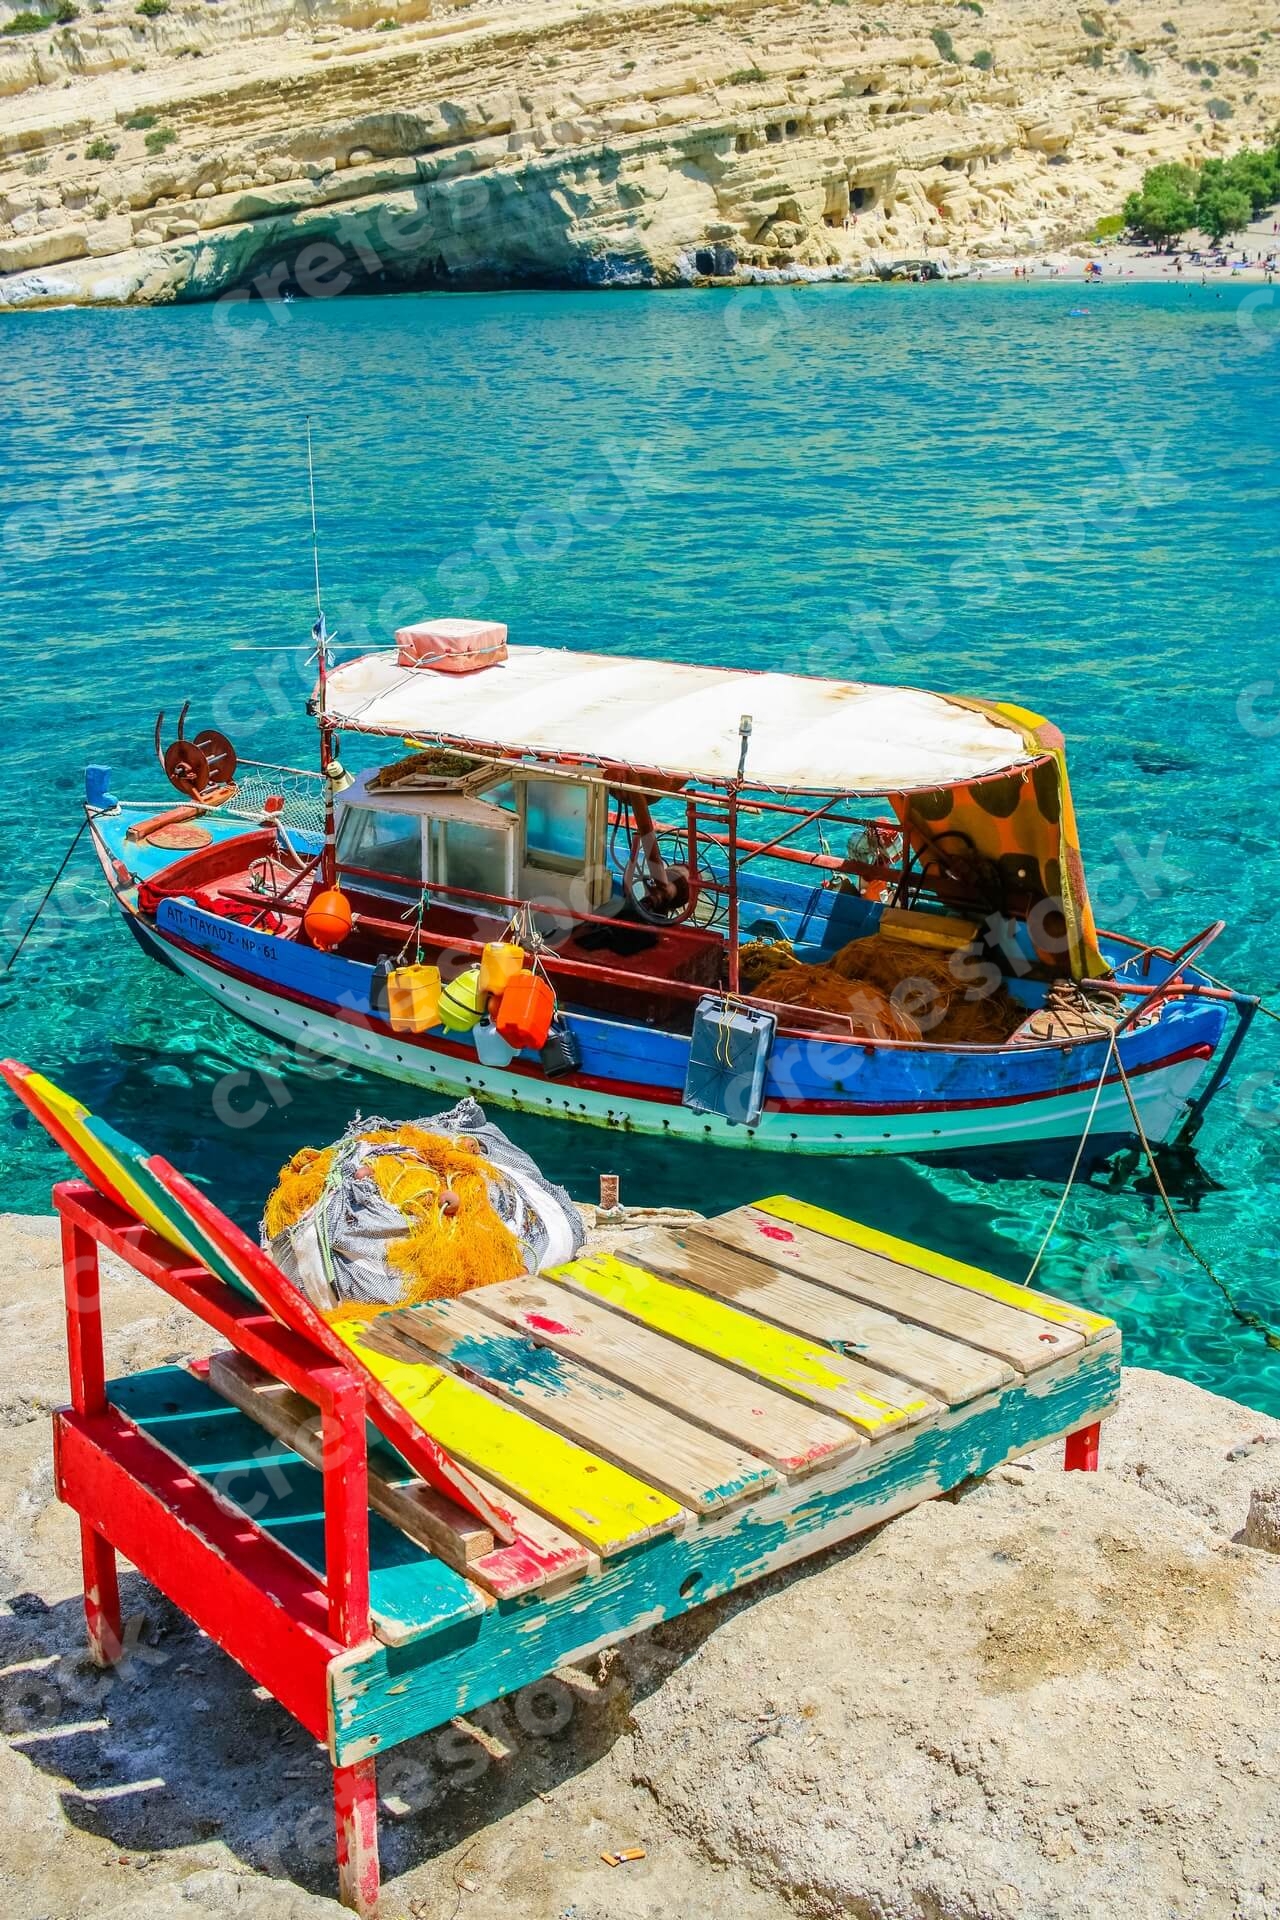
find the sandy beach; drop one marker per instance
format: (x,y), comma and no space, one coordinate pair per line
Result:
(1244,259)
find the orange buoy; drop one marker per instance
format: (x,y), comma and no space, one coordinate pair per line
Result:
(327,919)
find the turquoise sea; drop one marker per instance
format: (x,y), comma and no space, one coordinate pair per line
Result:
(965,487)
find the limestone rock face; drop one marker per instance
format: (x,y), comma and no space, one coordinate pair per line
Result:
(607,141)
(1055,1695)
(1262,1528)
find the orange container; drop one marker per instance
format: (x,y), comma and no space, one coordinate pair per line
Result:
(524,1012)
(500,962)
(413,999)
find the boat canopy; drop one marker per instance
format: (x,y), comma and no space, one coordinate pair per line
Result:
(808,735)
(966,778)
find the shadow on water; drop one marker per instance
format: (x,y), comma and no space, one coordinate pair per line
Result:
(1112,1163)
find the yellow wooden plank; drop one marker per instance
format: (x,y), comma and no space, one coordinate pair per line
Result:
(1015,1334)
(590,1497)
(958,1272)
(872,1401)
(790,1434)
(702,1472)
(75,1118)
(946,1368)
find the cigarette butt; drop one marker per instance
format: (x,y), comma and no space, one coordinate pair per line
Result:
(623,1854)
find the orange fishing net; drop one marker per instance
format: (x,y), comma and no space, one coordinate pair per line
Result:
(453,1238)
(872,1013)
(890,990)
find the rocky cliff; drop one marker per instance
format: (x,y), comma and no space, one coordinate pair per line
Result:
(206,147)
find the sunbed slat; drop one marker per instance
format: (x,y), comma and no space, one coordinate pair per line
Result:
(851,1233)
(874,1402)
(953,1372)
(702,1472)
(788,1434)
(591,1499)
(1024,1339)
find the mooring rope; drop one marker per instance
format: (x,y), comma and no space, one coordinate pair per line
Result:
(1075,1164)
(31,924)
(1245,1315)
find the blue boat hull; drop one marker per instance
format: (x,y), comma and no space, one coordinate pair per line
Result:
(821,1096)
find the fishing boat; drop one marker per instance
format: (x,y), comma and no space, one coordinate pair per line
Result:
(759,909)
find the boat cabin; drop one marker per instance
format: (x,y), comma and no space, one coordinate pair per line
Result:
(441,850)
(484,832)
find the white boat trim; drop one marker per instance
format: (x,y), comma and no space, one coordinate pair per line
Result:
(1161,1093)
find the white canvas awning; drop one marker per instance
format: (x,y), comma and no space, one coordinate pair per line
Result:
(808,735)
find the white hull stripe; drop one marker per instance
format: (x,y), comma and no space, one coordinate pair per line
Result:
(1160,1094)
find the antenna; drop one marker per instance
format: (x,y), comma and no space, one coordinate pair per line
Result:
(315,542)
(335,779)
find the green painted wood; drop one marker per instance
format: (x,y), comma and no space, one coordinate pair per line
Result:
(387,1695)
(410,1590)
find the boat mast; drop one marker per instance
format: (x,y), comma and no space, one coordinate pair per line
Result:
(735,788)
(319,633)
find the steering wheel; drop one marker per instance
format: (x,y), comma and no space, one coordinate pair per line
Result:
(663,889)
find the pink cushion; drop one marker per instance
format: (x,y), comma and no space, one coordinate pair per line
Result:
(452,646)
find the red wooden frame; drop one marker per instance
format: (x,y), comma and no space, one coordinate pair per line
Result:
(249,1594)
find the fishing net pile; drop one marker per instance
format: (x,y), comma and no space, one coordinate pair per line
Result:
(393,1214)
(889,990)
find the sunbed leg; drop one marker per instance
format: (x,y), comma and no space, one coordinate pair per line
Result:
(1082,1450)
(101,1597)
(81,1286)
(355,1801)
(82,1294)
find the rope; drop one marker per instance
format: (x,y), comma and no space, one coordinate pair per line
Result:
(1075,1164)
(1245,1315)
(31,924)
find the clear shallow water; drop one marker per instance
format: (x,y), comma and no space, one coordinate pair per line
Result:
(961,487)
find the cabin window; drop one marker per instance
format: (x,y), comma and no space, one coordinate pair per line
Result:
(389,843)
(503,796)
(470,857)
(556,825)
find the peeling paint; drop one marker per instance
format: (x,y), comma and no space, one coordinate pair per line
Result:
(467,1663)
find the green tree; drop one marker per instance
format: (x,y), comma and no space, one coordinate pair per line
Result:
(1221,208)
(1256,174)
(1165,205)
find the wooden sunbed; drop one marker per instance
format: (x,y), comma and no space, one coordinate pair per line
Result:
(395,1522)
